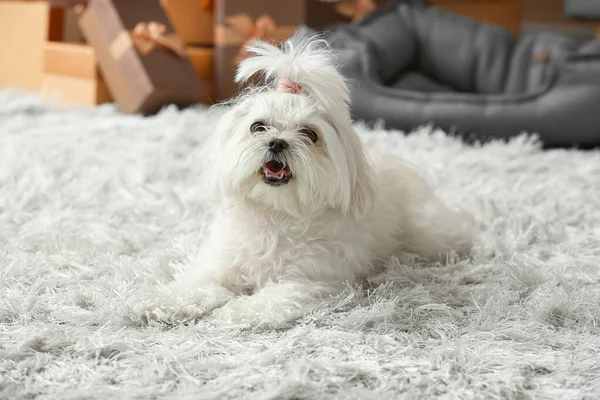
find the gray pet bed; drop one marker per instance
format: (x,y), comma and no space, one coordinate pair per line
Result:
(413,65)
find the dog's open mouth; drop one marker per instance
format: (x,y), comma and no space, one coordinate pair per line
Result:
(275,173)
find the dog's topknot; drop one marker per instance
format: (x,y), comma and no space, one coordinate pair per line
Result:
(307,61)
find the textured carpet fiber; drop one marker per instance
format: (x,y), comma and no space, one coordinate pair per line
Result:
(95,205)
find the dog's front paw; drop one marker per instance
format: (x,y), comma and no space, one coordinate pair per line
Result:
(171,313)
(246,313)
(168,304)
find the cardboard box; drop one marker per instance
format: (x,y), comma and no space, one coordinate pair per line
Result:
(504,13)
(71,75)
(142,74)
(238,23)
(192,20)
(203,62)
(24,27)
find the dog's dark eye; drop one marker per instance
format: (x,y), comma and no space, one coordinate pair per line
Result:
(258,126)
(312,135)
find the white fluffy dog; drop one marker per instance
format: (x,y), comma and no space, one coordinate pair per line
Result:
(305,210)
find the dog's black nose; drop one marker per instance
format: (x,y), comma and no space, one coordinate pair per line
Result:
(277,145)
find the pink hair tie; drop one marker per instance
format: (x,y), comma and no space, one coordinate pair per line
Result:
(286,86)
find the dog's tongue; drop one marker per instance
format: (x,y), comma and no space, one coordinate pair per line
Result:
(273,167)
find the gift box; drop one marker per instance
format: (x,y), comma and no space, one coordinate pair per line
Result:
(25,26)
(192,20)
(71,75)
(144,63)
(203,62)
(24,30)
(239,23)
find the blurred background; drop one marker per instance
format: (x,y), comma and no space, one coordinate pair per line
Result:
(578,18)
(145,54)
(30,63)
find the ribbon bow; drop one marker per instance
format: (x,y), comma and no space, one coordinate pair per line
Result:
(148,35)
(264,27)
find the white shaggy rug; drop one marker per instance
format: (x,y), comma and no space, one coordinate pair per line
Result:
(95,205)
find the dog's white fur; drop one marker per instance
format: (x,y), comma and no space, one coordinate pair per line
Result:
(275,252)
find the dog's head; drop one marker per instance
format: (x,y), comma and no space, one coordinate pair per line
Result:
(289,144)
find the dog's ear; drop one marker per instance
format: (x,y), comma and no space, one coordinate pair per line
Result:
(355,190)
(213,174)
(362,189)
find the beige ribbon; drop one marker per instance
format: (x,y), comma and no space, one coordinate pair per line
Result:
(147,36)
